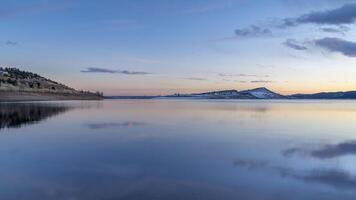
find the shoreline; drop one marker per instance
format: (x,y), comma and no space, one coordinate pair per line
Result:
(6,96)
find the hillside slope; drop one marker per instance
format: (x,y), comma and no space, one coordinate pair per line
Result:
(21,85)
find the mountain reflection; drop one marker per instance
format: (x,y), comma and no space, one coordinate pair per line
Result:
(15,115)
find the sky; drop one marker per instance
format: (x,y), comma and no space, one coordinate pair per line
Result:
(158,47)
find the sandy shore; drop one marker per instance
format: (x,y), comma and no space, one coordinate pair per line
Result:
(30,96)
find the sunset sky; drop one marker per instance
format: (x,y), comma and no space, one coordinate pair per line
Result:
(155,47)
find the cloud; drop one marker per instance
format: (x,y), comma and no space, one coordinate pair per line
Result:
(291,43)
(339,29)
(11,43)
(330,30)
(253,31)
(342,15)
(241,75)
(195,79)
(260,81)
(246,76)
(347,48)
(114,124)
(110,71)
(98,70)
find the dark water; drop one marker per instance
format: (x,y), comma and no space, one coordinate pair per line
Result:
(168,149)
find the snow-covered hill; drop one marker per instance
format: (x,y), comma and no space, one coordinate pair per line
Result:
(258,93)
(262,93)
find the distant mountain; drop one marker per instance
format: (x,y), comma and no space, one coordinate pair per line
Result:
(326,95)
(16,84)
(257,93)
(264,93)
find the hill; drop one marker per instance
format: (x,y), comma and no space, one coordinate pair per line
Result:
(16,84)
(257,93)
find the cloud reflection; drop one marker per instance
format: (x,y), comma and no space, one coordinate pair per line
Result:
(326,152)
(336,178)
(114,124)
(250,164)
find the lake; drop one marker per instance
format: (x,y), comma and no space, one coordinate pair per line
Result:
(178,149)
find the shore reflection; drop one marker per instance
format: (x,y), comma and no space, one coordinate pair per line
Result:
(15,115)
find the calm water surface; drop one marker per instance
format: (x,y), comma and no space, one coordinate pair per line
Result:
(178,149)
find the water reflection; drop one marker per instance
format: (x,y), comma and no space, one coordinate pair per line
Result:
(171,149)
(15,115)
